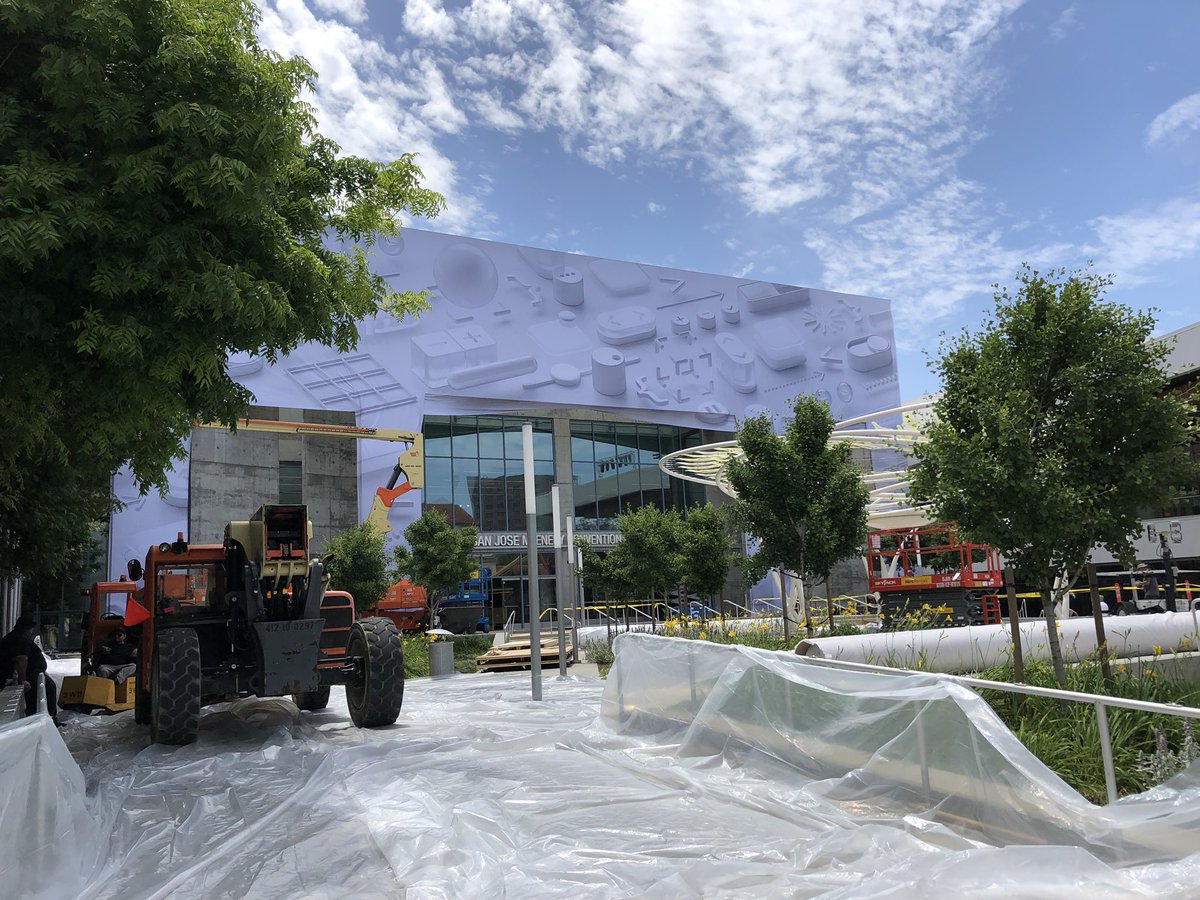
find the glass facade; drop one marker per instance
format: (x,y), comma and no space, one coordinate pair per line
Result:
(614,469)
(474,474)
(474,471)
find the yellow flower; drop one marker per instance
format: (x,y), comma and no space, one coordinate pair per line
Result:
(1156,650)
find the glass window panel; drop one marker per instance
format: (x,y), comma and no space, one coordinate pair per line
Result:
(584,476)
(437,436)
(543,480)
(543,445)
(515,489)
(466,486)
(647,436)
(466,438)
(291,481)
(437,483)
(491,437)
(491,511)
(582,448)
(512,438)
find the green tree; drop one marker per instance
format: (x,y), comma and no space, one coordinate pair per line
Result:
(438,557)
(704,551)
(1052,430)
(646,561)
(800,496)
(597,574)
(165,201)
(356,562)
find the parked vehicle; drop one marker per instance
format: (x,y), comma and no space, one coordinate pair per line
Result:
(928,575)
(250,616)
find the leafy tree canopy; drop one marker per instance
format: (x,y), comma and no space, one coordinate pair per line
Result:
(800,496)
(438,556)
(165,201)
(356,562)
(646,560)
(1052,430)
(704,550)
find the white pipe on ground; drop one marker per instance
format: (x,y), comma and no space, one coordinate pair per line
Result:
(980,647)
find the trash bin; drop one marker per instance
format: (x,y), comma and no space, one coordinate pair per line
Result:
(441,658)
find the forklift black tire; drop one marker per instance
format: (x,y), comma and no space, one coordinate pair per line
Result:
(376,700)
(312,700)
(175,687)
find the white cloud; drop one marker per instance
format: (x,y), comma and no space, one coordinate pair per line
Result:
(848,102)
(1065,23)
(428,20)
(655,207)
(351,10)
(929,256)
(375,103)
(1175,121)
(1131,244)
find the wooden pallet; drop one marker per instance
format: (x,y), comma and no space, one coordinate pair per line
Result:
(517,654)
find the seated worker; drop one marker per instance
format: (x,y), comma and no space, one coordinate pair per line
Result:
(21,662)
(115,658)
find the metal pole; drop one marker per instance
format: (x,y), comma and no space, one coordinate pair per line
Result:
(1110,777)
(535,615)
(1168,573)
(575,587)
(558,582)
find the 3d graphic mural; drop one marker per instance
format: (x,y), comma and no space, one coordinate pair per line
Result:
(512,327)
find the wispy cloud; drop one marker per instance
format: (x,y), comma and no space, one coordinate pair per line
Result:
(1065,23)
(373,102)
(1131,244)
(350,10)
(941,248)
(1175,122)
(655,207)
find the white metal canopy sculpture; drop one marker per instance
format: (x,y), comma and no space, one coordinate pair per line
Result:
(889,505)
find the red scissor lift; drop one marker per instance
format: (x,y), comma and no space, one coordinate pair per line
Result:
(927,573)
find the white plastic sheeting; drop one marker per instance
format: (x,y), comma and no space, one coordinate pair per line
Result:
(42,811)
(697,780)
(978,647)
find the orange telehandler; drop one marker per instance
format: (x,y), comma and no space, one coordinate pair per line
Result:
(252,616)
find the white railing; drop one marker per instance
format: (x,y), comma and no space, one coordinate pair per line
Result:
(1099,701)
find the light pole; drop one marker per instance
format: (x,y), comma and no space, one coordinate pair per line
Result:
(535,625)
(1168,571)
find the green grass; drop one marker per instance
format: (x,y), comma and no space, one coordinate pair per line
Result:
(1066,738)
(466,648)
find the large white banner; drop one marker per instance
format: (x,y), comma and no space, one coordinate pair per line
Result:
(513,327)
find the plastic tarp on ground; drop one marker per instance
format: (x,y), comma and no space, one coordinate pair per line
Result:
(42,810)
(697,780)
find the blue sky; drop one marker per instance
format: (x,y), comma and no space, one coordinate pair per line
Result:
(917,150)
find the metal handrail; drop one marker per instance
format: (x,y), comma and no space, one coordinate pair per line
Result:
(1101,702)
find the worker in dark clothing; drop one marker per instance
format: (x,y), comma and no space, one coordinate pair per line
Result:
(115,658)
(21,662)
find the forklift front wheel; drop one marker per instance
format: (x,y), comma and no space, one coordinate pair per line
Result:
(175,687)
(376,699)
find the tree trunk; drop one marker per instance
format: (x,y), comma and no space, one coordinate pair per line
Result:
(783,602)
(1098,618)
(1056,657)
(808,625)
